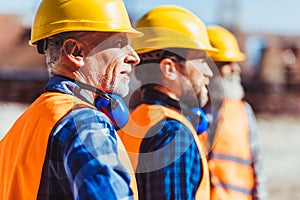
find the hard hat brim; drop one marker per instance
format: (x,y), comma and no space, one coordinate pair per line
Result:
(131,33)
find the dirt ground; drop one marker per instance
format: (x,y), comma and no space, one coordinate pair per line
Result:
(279,137)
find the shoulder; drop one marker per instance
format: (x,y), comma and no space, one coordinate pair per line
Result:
(84,121)
(89,114)
(89,117)
(248,107)
(250,112)
(167,132)
(169,128)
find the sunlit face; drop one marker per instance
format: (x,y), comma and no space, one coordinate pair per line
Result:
(198,73)
(110,62)
(231,79)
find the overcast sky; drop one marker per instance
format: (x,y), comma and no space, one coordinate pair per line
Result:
(267,16)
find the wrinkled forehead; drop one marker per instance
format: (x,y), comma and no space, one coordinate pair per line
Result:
(90,38)
(96,38)
(196,54)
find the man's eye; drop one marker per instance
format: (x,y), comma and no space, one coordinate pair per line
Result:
(120,43)
(203,60)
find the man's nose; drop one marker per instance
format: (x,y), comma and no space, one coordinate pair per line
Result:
(132,56)
(235,67)
(208,72)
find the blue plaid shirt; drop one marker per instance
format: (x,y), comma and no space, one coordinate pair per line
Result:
(172,146)
(82,160)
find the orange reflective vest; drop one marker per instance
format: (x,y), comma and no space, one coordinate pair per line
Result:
(232,175)
(143,118)
(23,149)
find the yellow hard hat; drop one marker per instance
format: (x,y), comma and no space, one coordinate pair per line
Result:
(57,16)
(226,43)
(171,26)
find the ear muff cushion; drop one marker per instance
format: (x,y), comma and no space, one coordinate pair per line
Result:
(114,108)
(199,119)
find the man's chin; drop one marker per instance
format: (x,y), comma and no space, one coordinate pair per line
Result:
(203,101)
(121,91)
(195,101)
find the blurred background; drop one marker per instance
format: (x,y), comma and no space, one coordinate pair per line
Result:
(267,31)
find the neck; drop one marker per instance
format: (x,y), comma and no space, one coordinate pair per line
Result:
(78,77)
(165,91)
(93,91)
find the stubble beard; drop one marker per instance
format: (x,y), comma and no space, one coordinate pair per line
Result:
(194,95)
(120,87)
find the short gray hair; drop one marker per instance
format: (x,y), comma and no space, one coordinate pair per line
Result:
(54,50)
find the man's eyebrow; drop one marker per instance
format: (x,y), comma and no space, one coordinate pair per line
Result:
(203,55)
(123,37)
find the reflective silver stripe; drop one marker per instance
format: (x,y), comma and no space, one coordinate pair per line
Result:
(234,188)
(231,158)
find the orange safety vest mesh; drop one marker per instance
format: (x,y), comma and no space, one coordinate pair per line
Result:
(142,119)
(232,175)
(23,149)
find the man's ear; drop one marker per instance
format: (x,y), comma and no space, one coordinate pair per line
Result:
(168,68)
(74,52)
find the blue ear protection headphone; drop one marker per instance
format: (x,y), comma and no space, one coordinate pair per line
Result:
(111,105)
(199,119)
(114,107)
